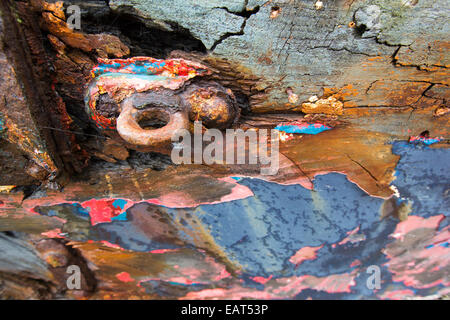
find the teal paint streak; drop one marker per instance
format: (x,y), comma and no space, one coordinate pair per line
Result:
(2,124)
(304,128)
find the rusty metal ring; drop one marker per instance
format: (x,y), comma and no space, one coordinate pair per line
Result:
(132,112)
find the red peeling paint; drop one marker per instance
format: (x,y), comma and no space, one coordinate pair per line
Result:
(237,192)
(154,201)
(55,233)
(349,238)
(111,245)
(223,274)
(261,280)
(102,210)
(124,277)
(182,280)
(280,288)
(107,244)
(416,222)
(397,294)
(335,283)
(306,253)
(237,293)
(163,250)
(420,266)
(174,280)
(355,263)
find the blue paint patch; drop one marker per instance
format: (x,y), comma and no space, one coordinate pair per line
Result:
(262,232)
(143,77)
(144,67)
(305,128)
(443,244)
(52,213)
(424,140)
(120,217)
(79,210)
(119,203)
(185,284)
(422,178)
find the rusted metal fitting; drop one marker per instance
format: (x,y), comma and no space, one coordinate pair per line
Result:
(212,104)
(150,106)
(127,94)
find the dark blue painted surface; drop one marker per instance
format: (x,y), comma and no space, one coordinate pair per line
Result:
(423,178)
(262,232)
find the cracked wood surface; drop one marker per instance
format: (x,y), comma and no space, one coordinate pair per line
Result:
(389,55)
(390,74)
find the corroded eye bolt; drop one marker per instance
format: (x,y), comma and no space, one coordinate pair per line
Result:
(146,100)
(154,107)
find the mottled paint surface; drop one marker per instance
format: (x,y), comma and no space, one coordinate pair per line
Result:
(425,140)
(288,241)
(148,66)
(423,178)
(122,77)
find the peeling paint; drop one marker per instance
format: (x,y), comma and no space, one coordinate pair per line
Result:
(302,127)
(303,238)
(425,140)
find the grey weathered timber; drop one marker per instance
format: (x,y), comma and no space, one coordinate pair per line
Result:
(378,48)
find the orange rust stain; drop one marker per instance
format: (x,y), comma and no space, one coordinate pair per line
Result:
(375,58)
(340,93)
(350,104)
(365,158)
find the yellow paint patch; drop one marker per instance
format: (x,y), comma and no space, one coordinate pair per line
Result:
(6,189)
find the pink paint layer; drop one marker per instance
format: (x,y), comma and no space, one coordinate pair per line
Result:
(124,277)
(306,253)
